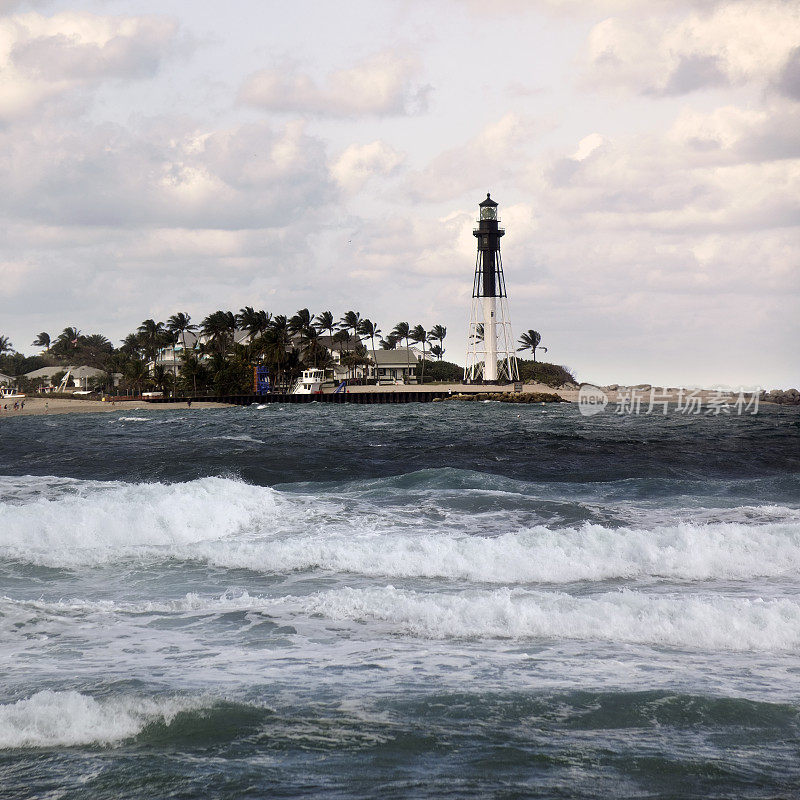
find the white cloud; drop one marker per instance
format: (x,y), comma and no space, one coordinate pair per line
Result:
(491,155)
(734,43)
(41,57)
(381,85)
(360,162)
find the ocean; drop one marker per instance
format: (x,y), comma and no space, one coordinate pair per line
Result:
(454,600)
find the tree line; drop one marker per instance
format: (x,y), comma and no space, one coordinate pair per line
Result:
(214,357)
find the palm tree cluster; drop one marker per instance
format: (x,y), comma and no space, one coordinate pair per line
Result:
(218,353)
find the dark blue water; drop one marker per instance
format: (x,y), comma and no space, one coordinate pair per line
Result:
(450,600)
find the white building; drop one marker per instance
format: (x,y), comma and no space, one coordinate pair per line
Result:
(79,375)
(391,366)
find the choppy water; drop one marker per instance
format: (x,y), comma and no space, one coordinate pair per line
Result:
(466,600)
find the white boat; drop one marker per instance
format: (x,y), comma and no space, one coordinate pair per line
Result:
(310,382)
(10,394)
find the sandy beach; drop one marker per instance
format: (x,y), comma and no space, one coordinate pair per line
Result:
(35,406)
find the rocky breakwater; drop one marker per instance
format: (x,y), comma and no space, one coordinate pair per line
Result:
(789,397)
(504,397)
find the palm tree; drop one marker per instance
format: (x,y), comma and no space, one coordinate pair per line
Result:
(350,321)
(389,343)
(275,343)
(302,325)
(192,369)
(436,350)
(312,348)
(419,335)
(343,338)
(437,333)
(530,341)
(163,379)
(403,331)
(220,328)
(260,323)
(245,317)
(131,345)
(5,345)
(67,341)
(368,328)
(136,373)
(42,340)
(115,364)
(95,350)
(301,322)
(97,342)
(254,322)
(325,322)
(179,325)
(152,337)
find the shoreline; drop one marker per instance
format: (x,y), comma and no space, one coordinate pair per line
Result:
(46,406)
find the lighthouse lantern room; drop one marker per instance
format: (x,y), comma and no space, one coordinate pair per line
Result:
(490,341)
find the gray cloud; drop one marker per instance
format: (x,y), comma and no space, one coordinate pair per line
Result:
(382,85)
(788,81)
(248,177)
(695,71)
(46,62)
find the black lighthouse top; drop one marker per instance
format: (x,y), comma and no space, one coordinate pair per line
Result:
(488,208)
(488,273)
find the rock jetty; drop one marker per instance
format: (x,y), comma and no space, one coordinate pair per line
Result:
(504,397)
(790,397)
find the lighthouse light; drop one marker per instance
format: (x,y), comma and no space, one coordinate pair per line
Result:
(488,212)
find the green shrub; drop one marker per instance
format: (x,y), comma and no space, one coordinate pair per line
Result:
(444,371)
(540,372)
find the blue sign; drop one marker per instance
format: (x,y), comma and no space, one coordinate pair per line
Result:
(263,385)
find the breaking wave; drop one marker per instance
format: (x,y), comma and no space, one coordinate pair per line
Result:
(98,523)
(228,523)
(51,719)
(687,621)
(692,621)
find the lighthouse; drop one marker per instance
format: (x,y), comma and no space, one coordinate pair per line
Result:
(490,341)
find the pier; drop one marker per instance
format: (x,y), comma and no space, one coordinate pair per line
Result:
(376,397)
(362,398)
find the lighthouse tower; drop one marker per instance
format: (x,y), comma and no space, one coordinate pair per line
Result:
(490,342)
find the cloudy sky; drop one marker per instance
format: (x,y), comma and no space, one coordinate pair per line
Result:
(189,155)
